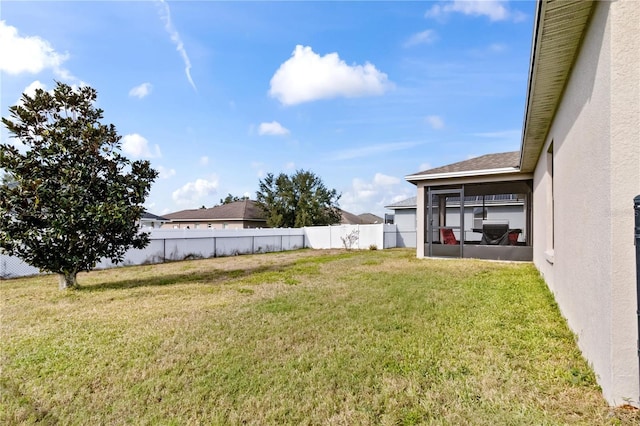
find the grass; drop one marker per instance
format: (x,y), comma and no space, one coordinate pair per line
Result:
(329,337)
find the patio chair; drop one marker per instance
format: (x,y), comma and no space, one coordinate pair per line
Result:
(448,237)
(513,237)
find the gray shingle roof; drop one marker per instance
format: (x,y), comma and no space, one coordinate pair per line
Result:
(151,216)
(370,218)
(239,210)
(404,204)
(347,218)
(484,162)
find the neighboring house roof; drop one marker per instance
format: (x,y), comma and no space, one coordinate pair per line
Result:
(505,162)
(150,216)
(409,203)
(558,32)
(370,218)
(347,218)
(239,210)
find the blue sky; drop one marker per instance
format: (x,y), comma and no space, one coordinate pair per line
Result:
(216,94)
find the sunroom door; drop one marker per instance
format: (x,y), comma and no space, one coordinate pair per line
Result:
(445,222)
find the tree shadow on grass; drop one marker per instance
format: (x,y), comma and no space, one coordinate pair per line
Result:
(214,276)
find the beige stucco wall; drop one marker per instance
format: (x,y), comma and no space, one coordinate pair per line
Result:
(590,266)
(230,224)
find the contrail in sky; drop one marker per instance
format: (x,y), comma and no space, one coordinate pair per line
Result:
(165,15)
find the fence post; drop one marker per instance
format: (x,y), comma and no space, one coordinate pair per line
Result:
(636,208)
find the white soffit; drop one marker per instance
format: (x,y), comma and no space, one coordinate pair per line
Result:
(466,173)
(557,36)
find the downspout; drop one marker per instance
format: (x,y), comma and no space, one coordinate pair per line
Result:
(636,202)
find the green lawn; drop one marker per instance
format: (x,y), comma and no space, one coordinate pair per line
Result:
(305,337)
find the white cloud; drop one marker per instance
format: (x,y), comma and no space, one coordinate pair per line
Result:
(165,15)
(500,134)
(495,10)
(137,146)
(497,47)
(204,160)
(29,54)
(290,166)
(383,180)
(196,192)
(259,168)
(424,37)
(365,196)
(424,166)
(165,173)
(141,91)
(30,90)
(274,129)
(435,121)
(307,76)
(370,150)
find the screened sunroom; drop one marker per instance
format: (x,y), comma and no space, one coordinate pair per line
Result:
(482,213)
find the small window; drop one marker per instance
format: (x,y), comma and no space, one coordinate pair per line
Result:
(479,214)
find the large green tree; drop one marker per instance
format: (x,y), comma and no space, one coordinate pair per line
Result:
(72,198)
(232,199)
(298,200)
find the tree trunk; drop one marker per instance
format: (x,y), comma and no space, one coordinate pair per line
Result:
(68,280)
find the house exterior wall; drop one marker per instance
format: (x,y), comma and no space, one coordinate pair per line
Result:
(583,198)
(405,221)
(151,223)
(225,224)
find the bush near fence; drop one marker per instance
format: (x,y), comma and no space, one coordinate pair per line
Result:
(181,244)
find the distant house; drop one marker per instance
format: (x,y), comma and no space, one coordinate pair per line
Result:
(236,215)
(578,171)
(404,217)
(150,220)
(347,218)
(370,218)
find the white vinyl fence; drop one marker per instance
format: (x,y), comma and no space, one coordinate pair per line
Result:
(180,244)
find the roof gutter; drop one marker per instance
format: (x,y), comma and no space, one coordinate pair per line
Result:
(535,42)
(467,173)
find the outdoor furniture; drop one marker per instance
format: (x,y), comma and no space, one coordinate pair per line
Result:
(498,234)
(448,237)
(513,236)
(495,234)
